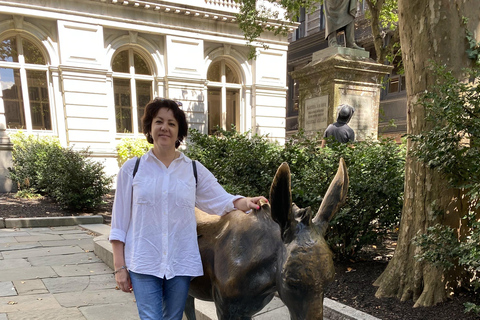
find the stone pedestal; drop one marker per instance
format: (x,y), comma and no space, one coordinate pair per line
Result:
(335,76)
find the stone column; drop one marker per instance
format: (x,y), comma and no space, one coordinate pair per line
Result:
(6,147)
(335,76)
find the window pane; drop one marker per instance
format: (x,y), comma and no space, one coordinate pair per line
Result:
(140,65)
(394,85)
(213,73)
(144,95)
(39,103)
(8,51)
(120,62)
(230,75)
(123,106)
(12,98)
(214,109)
(31,53)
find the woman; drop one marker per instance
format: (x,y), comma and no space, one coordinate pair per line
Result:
(153,235)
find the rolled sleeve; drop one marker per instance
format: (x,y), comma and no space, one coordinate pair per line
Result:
(210,195)
(121,211)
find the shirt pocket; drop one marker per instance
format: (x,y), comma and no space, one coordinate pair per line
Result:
(144,191)
(185,194)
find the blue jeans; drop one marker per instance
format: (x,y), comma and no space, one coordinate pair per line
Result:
(160,299)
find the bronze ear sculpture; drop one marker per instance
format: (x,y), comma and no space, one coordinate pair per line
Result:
(280,247)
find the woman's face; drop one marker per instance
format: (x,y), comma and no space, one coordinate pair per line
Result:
(164,129)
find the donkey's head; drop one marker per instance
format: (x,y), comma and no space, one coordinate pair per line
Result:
(307,262)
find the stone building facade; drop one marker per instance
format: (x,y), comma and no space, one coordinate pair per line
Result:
(83,70)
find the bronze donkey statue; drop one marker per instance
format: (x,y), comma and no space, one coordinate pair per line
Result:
(248,257)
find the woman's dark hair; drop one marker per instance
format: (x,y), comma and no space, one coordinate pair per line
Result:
(151,110)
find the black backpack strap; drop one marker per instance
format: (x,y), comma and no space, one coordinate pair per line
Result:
(136,166)
(194,165)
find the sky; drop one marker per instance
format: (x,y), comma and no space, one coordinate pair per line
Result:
(6,78)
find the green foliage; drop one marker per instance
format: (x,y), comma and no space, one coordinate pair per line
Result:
(452,145)
(247,166)
(241,164)
(441,247)
(254,19)
(375,195)
(27,194)
(41,165)
(31,157)
(473,51)
(129,148)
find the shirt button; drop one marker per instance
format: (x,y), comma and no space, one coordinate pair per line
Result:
(164,253)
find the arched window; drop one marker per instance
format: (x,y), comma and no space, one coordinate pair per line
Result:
(24,81)
(132,88)
(223,96)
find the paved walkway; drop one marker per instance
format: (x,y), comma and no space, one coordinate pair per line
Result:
(53,273)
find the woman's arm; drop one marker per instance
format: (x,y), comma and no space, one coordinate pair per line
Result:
(121,273)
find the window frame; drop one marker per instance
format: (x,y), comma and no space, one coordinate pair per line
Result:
(23,67)
(133,78)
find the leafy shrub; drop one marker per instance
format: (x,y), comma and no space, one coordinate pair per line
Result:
(242,165)
(71,178)
(375,195)
(441,247)
(247,166)
(31,157)
(129,148)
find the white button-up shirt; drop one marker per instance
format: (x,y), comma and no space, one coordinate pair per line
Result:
(154,214)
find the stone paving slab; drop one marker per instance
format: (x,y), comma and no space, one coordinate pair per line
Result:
(85,244)
(41,237)
(98,229)
(64,259)
(19,246)
(86,269)
(3,316)
(49,314)
(80,283)
(13,233)
(25,287)
(77,236)
(14,263)
(38,252)
(274,314)
(7,239)
(124,311)
(27,273)
(7,289)
(54,230)
(36,302)
(90,298)
(51,221)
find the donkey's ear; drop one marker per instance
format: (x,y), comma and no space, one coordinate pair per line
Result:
(281,202)
(334,198)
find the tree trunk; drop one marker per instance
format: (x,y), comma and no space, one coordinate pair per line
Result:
(430,30)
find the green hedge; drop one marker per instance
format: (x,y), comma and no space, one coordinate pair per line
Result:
(71,178)
(247,166)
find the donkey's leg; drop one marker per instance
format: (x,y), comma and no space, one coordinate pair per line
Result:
(190,308)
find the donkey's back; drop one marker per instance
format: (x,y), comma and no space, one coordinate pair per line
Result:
(239,255)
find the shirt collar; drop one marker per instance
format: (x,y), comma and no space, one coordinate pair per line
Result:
(150,154)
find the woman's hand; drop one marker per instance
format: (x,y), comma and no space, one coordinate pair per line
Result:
(123,280)
(247,203)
